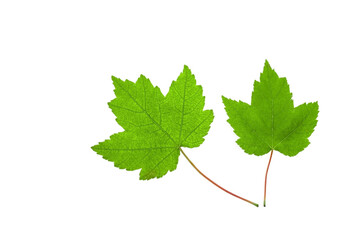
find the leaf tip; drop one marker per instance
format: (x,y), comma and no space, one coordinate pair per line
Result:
(186,69)
(117,82)
(94,148)
(142,78)
(267,64)
(224,99)
(113,78)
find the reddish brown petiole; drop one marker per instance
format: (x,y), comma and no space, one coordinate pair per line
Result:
(267,169)
(255,204)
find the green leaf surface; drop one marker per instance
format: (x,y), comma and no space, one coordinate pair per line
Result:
(156,126)
(271,122)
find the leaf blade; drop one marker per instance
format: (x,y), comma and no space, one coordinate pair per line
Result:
(155,127)
(271,118)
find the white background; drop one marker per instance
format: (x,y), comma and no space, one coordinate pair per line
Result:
(56,62)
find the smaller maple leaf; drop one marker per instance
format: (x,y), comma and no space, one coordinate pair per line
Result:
(271,122)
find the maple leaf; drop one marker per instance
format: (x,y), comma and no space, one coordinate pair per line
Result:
(271,122)
(156,126)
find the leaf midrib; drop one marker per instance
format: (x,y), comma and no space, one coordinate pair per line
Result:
(162,160)
(183,108)
(134,149)
(292,131)
(125,90)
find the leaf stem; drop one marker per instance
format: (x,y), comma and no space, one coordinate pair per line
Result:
(192,164)
(267,169)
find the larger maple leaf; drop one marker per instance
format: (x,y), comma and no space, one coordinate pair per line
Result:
(156,126)
(271,122)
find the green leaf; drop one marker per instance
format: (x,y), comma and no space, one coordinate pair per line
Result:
(156,126)
(271,122)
